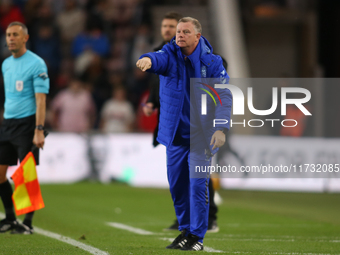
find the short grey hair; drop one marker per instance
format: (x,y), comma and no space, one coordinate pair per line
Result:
(17,23)
(195,22)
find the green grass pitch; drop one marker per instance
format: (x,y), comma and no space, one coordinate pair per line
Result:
(251,222)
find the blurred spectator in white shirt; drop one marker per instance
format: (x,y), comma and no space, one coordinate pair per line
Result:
(117,115)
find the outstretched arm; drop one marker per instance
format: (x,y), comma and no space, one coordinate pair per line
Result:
(154,62)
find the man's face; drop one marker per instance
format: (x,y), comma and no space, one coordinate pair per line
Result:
(168,29)
(186,36)
(15,38)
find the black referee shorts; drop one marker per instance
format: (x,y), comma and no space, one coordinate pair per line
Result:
(16,140)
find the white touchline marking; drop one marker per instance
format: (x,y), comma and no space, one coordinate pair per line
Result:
(68,240)
(129,228)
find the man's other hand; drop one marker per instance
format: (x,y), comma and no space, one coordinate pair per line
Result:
(218,139)
(148,109)
(144,64)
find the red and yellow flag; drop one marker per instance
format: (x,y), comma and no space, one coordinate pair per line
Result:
(27,195)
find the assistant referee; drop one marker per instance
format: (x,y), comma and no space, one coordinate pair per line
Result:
(26,84)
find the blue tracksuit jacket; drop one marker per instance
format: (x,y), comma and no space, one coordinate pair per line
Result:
(169,64)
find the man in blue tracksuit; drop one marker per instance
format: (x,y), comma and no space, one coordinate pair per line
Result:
(189,136)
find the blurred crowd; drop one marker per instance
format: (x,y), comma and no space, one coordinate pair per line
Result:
(275,8)
(90,48)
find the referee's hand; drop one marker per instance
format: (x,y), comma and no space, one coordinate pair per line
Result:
(39,138)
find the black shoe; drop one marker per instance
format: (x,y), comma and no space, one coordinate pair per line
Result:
(6,225)
(191,243)
(177,241)
(212,227)
(23,229)
(173,226)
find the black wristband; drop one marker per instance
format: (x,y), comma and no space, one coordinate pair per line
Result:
(40,127)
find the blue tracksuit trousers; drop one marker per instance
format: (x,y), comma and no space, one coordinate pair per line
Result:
(190,195)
